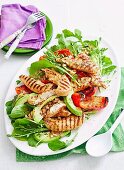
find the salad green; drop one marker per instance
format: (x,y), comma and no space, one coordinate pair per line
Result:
(32,131)
(75,43)
(28,124)
(18,82)
(57,144)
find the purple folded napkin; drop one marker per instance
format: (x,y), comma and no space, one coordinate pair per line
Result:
(14,17)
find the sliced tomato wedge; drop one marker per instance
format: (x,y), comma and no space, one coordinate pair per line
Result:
(22,89)
(94,103)
(90,91)
(76,97)
(65,52)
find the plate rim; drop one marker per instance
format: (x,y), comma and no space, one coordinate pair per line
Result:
(101,125)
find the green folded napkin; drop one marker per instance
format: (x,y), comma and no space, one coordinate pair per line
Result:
(118,135)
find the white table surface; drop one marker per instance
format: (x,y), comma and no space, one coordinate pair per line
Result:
(95,17)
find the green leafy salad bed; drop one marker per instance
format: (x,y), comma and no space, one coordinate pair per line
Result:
(60,91)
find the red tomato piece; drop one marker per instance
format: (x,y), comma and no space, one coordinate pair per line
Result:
(90,91)
(94,103)
(45,81)
(81,74)
(65,52)
(22,89)
(76,97)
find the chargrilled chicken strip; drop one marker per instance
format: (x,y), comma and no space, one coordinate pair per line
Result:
(52,75)
(64,124)
(64,86)
(82,63)
(63,113)
(86,82)
(35,99)
(96,81)
(61,81)
(35,85)
(55,108)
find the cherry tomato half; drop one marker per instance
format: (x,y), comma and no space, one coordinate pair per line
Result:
(76,97)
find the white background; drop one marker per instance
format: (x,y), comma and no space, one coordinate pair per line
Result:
(101,18)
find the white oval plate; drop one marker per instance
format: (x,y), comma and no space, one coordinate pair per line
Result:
(87,130)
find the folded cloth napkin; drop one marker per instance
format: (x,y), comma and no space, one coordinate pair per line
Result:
(14,17)
(118,135)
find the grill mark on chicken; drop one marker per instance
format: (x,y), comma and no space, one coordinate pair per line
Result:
(72,123)
(52,75)
(64,124)
(86,82)
(34,85)
(27,79)
(64,84)
(75,122)
(31,82)
(59,125)
(82,63)
(63,113)
(61,81)
(96,81)
(53,108)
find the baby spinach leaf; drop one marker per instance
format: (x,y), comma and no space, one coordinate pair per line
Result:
(18,135)
(38,65)
(19,111)
(24,127)
(54,48)
(56,145)
(20,132)
(10,105)
(58,36)
(68,33)
(24,122)
(78,34)
(22,138)
(32,141)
